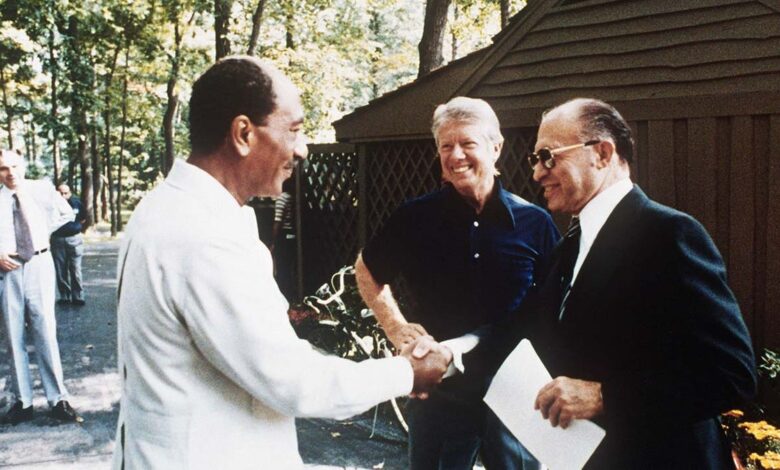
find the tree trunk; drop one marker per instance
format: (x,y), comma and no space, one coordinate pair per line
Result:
(32,146)
(116,223)
(97,182)
(289,23)
(504,5)
(107,136)
(375,27)
(55,145)
(257,19)
(454,44)
(8,112)
(81,75)
(173,102)
(432,41)
(221,26)
(85,167)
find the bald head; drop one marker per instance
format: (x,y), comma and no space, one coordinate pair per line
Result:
(597,120)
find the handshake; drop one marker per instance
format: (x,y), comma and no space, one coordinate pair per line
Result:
(429,361)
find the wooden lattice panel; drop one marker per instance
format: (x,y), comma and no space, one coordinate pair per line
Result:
(329,213)
(516,174)
(398,171)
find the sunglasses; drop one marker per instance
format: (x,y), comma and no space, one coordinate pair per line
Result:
(547,156)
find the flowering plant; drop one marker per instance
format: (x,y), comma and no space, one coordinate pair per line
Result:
(753,433)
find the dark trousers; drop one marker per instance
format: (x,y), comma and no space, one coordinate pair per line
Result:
(447,434)
(67,253)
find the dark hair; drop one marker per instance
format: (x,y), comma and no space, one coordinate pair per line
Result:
(234,86)
(601,120)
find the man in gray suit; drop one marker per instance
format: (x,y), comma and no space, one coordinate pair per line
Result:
(30,211)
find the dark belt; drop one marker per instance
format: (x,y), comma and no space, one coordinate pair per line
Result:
(36,253)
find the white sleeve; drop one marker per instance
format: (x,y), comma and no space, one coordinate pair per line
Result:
(238,320)
(459,346)
(60,212)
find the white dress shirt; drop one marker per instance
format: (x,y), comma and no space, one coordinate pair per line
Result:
(45,209)
(213,371)
(595,214)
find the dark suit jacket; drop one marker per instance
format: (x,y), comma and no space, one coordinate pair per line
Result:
(651,317)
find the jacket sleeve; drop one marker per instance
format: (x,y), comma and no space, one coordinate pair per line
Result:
(60,212)
(238,320)
(705,363)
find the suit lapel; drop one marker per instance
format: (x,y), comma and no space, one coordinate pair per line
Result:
(606,253)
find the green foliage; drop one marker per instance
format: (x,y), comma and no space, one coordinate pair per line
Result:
(341,54)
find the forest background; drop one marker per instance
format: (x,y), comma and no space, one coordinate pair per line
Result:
(94,93)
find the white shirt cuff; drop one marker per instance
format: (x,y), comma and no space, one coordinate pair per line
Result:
(459,346)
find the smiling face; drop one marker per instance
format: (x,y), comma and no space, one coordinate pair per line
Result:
(468,158)
(278,142)
(575,178)
(12,169)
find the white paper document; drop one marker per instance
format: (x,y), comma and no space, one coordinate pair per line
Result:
(511,397)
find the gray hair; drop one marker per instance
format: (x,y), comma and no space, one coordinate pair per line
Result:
(468,110)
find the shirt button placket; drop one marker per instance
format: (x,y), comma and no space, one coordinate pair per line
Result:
(474,238)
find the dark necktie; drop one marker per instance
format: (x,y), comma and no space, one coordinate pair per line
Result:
(569,248)
(24,242)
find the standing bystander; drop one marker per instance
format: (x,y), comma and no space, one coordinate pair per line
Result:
(31,211)
(67,247)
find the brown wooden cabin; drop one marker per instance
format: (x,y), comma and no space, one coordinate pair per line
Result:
(699,81)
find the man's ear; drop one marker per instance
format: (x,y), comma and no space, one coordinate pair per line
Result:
(240,135)
(497,149)
(606,151)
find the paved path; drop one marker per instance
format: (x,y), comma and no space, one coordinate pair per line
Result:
(87,337)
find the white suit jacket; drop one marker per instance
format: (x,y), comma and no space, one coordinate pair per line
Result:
(213,373)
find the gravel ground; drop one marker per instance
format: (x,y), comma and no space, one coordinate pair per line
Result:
(87,337)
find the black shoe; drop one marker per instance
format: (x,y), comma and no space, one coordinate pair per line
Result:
(79,302)
(63,302)
(18,414)
(62,411)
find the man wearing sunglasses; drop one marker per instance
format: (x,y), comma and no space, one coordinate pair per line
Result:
(633,317)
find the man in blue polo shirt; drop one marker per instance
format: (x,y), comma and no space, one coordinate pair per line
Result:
(67,246)
(468,253)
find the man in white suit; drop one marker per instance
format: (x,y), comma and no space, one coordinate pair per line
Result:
(29,212)
(212,372)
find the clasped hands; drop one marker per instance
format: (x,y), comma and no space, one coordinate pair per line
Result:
(428,358)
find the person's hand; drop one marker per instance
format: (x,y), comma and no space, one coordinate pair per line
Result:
(565,399)
(429,361)
(402,334)
(7,263)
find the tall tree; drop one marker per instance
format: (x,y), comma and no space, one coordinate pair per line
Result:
(81,75)
(222,10)
(257,20)
(504,7)
(175,12)
(432,42)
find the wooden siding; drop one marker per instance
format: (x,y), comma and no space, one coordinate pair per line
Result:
(632,50)
(726,173)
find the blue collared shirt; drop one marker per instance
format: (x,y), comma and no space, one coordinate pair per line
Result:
(463,269)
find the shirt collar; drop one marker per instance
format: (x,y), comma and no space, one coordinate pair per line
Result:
(595,213)
(498,206)
(190,178)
